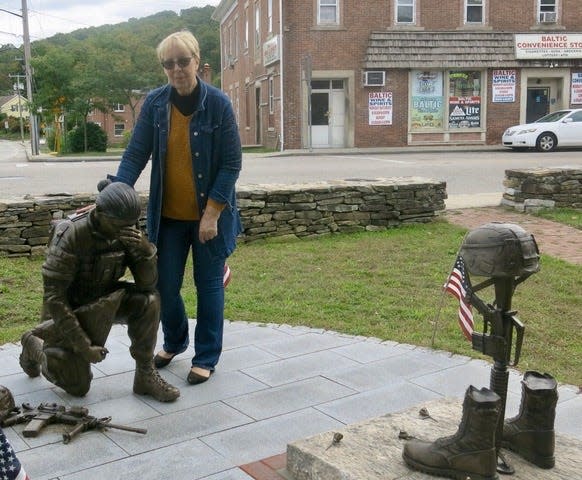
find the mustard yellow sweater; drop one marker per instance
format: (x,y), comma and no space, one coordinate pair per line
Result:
(179,202)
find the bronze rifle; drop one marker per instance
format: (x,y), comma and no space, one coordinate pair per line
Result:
(36,418)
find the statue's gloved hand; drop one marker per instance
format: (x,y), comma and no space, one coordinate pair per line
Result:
(134,239)
(94,354)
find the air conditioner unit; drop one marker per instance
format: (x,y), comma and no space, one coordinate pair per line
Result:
(374,78)
(548,17)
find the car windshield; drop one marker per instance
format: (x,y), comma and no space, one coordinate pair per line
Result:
(553,117)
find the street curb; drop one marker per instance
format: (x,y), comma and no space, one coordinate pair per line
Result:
(300,152)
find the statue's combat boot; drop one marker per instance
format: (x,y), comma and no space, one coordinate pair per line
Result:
(32,354)
(147,381)
(470,452)
(531,433)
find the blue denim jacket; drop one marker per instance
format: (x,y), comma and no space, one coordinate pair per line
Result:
(216,158)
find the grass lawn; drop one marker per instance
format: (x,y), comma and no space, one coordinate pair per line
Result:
(380,284)
(568,216)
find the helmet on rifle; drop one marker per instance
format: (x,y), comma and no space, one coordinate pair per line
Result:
(6,402)
(500,250)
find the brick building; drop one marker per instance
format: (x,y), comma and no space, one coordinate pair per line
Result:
(375,73)
(117,122)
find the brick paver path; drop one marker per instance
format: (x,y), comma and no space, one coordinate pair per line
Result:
(553,238)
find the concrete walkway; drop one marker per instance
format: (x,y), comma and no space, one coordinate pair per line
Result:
(275,384)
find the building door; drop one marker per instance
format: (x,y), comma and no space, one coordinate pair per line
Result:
(538,103)
(327,113)
(320,119)
(337,120)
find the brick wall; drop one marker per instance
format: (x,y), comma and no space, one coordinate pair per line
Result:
(501,115)
(335,50)
(394,135)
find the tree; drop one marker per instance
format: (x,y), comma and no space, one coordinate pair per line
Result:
(97,67)
(122,72)
(87,87)
(54,75)
(89,138)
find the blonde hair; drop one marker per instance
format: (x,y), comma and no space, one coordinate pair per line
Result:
(184,39)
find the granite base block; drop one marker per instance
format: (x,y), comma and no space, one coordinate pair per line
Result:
(372,450)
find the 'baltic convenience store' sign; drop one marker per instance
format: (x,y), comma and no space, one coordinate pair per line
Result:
(545,45)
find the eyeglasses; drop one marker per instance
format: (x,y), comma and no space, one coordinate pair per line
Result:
(181,62)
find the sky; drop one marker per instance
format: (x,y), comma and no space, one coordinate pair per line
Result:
(49,17)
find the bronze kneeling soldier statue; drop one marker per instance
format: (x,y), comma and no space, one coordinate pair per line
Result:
(87,256)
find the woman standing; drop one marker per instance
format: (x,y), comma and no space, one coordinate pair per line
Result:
(189,129)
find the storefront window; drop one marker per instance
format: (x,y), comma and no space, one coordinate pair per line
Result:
(464,99)
(427,100)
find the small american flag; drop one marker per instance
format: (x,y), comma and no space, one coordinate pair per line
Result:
(227,275)
(10,468)
(458,286)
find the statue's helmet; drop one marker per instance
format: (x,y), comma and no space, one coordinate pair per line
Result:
(6,402)
(500,250)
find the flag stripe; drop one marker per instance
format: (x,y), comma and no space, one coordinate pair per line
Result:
(227,275)
(458,286)
(22,475)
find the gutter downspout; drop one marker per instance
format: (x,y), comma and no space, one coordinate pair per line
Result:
(281,102)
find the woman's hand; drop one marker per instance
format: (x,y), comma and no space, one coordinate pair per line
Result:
(208,224)
(86,208)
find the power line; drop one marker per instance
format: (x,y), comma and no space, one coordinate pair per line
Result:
(10,33)
(74,22)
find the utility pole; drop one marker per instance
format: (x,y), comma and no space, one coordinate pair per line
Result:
(28,73)
(34,143)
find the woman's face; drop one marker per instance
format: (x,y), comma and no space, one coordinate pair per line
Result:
(180,66)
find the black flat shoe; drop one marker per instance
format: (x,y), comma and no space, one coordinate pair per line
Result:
(195,378)
(161,362)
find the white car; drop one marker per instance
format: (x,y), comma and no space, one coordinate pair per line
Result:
(558,129)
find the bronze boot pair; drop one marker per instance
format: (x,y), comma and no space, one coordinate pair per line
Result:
(470,452)
(147,381)
(530,434)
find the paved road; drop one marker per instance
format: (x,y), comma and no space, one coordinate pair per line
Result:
(478,172)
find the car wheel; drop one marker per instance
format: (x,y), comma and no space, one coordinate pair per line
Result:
(546,142)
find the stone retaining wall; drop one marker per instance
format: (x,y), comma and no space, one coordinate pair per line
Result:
(296,211)
(530,189)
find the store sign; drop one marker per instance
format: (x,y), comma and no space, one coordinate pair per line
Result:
(427,103)
(576,88)
(503,86)
(271,51)
(380,108)
(464,112)
(543,45)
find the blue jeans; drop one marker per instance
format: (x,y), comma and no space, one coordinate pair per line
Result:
(175,240)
